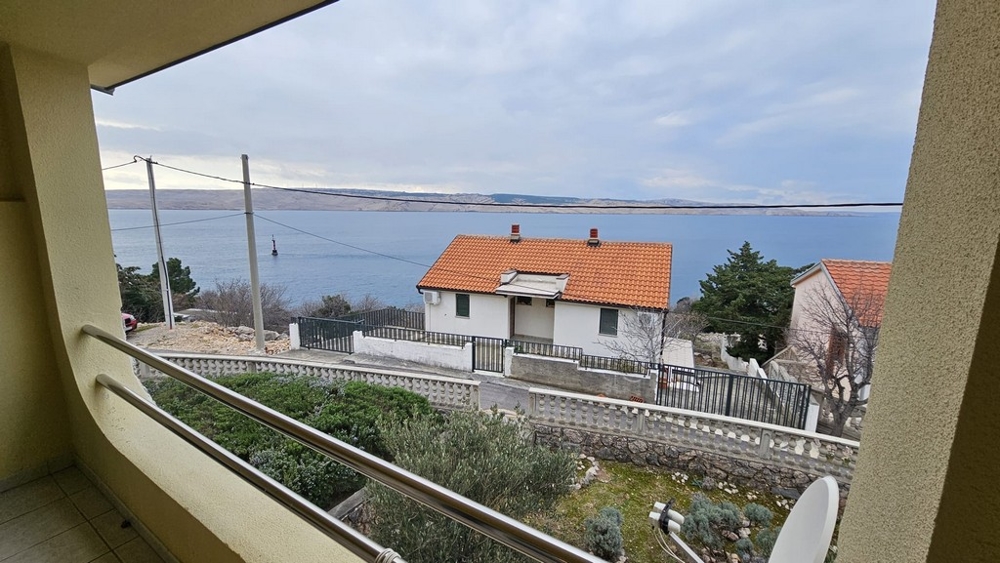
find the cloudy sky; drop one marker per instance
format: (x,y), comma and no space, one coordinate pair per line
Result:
(764,102)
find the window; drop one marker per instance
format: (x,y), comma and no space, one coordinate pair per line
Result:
(609,322)
(550,303)
(521,300)
(462,305)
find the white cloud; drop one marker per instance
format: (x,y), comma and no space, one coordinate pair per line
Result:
(104,122)
(559,98)
(674,119)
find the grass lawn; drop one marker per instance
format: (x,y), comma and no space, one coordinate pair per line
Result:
(632,490)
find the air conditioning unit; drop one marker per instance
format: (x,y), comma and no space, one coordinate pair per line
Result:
(432,297)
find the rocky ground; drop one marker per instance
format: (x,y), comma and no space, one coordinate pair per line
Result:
(205,337)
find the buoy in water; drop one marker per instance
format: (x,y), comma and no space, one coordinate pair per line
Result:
(274,247)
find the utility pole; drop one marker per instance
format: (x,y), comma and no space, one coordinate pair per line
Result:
(168,302)
(258,312)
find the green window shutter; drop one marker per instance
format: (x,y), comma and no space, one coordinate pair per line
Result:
(462,305)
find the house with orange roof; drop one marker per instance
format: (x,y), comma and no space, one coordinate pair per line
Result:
(831,298)
(572,292)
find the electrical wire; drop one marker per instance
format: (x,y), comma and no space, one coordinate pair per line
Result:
(134,160)
(640,205)
(473,276)
(661,540)
(137,158)
(376,253)
(178,222)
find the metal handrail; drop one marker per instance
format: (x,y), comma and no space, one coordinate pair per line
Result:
(352,539)
(479,518)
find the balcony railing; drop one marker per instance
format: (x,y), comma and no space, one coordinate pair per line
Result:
(482,519)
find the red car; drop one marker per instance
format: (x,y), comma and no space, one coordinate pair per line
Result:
(129,322)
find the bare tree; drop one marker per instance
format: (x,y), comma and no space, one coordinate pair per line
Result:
(230,303)
(367,302)
(645,335)
(840,340)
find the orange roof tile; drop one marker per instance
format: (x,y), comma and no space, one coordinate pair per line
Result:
(633,274)
(861,281)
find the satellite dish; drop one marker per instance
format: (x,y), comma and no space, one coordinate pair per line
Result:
(806,535)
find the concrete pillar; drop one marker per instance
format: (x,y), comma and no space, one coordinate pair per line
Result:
(926,485)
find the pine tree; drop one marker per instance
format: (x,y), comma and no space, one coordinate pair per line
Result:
(749,297)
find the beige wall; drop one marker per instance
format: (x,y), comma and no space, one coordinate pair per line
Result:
(197,508)
(926,484)
(33,422)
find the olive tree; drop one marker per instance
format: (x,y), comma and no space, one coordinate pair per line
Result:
(482,456)
(840,341)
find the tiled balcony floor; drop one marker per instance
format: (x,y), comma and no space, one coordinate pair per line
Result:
(64,518)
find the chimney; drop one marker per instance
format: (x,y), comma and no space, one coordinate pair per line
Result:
(515,233)
(593,240)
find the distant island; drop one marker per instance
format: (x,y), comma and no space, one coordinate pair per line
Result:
(360,200)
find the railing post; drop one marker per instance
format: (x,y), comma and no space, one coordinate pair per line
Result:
(729,396)
(473,344)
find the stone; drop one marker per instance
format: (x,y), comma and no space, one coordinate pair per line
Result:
(638,446)
(270,335)
(744,532)
(589,477)
(731,536)
(708,483)
(793,494)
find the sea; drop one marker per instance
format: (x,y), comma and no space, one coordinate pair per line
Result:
(385,254)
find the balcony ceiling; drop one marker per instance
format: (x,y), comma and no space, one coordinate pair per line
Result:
(120,41)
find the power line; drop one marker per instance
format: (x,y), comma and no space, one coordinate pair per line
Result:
(360,249)
(178,222)
(534,205)
(473,276)
(133,161)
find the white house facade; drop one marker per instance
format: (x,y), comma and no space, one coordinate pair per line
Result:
(580,293)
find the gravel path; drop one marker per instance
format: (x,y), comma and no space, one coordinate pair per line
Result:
(200,337)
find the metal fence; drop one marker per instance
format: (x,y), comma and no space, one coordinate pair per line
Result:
(782,403)
(396,333)
(390,316)
(488,353)
(545,349)
(623,365)
(327,334)
(729,394)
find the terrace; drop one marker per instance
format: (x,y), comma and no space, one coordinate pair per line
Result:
(923,489)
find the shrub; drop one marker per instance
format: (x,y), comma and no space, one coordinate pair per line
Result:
(766,539)
(603,535)
(230,303)
(706,521)
(613,514)
(348,412)
(744,548)
(758,515)
(479,455)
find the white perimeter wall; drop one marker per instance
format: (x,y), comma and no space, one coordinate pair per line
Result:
(577,324)
(487,316)
(451,357)
(534,320)
(678,352)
